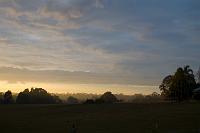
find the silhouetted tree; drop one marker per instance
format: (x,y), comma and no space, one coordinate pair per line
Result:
(165,86)
(99,101)
(1,97)
(36,96)
(155,94)
(72,100)
(8,98)
(23,97)
(180,85)
(108,97)
(89,101)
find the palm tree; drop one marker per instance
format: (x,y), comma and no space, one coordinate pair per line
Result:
(180,85)
(190,77)
(187,70)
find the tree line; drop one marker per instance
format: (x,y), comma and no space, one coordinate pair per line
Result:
(180,86)
(33,96)
(41,96)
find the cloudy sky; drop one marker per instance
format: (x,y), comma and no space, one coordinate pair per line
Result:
(126,45)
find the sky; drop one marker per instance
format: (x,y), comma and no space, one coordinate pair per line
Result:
(124,46)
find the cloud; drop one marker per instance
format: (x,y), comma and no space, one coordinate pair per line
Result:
(16,75)
(135,38)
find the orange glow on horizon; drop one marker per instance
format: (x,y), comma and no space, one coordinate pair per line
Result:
(79,88)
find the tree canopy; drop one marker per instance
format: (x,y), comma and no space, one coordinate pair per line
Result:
(36,96)
(108,97)
(8,98)
(180,85)
(72,100)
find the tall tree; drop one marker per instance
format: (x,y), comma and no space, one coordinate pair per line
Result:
(180,85)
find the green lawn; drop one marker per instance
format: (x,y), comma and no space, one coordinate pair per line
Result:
(113,118)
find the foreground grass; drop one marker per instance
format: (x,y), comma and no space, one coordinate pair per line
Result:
(114,118)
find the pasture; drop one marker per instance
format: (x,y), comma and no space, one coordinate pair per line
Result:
(105,118)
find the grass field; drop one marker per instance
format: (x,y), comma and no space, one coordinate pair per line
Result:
(113,118)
